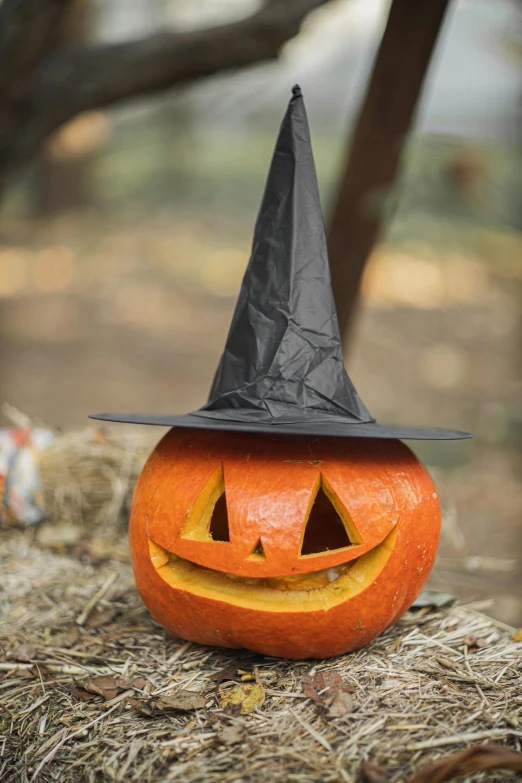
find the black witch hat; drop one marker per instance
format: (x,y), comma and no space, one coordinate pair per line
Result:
(282,369)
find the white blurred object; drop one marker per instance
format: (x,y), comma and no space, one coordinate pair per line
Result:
(21,493)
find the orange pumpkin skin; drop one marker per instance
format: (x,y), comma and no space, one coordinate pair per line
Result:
(269,484)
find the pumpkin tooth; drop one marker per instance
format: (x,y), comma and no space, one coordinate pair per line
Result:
(333,573)
(158,555)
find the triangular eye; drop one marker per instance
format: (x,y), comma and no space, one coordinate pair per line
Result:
(325,529)
(258,552)
(218,529)
(208,517)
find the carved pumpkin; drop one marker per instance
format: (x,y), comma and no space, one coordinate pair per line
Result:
(286,545)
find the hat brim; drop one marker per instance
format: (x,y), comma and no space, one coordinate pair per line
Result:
(337,428)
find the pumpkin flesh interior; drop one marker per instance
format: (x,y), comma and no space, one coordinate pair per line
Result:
(302,592)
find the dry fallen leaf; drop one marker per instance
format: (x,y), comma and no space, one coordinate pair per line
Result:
(109,687)
(103,685)
(447,663)
(144,707)
(475,644)
(182,700)
(322,687)
(82,694)
(231,735)
(373,773)
(135,682)
(24,653)
(43,672)
(478,758)
(99,618)
(228,673)
(66,638)
(26,674)
(432,599)
(517,635)
(341,704)
(242,699)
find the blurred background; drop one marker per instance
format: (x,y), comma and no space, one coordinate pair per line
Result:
(124,240)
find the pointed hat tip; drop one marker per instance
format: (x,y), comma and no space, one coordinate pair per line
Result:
(296,91)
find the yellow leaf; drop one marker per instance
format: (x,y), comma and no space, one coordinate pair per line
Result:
(517,635)
(243,698)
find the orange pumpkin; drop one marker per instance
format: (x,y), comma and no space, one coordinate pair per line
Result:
(287,545)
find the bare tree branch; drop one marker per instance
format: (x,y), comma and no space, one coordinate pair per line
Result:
(101,75)
(378,142)
(68,82)
(27,30)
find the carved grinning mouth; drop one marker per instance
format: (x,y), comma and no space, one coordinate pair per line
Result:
(326,586)
(309,581)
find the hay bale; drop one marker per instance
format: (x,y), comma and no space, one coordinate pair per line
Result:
(88,475)
(439,681)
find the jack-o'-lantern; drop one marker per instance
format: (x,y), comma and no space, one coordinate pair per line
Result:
(287,545)
(282,517)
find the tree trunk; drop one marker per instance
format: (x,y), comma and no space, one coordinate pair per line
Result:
(377,144)
(62,180)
